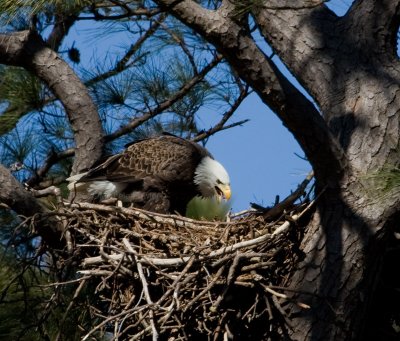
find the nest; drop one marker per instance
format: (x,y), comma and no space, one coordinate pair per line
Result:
(172,278)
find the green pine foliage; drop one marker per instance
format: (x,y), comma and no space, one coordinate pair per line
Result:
(14,7)
(383,184)
(20,93)
(130,81)
(22,300)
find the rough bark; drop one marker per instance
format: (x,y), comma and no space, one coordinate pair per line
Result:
(26,49)
(349,67)
(235,42)
(22,202)
(60,30)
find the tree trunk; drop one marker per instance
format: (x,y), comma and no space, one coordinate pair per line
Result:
(349,66)
(14,195)
(27,49)
(343,254)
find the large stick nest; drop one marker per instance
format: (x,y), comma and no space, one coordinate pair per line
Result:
(168,277)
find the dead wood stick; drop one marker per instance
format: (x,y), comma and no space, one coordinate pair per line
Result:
(149,216)
(206,289)
(278,306)
(168,262)
(77,291)
(229,280)
(145,287)
(284,296)
(111,318)
(278,209)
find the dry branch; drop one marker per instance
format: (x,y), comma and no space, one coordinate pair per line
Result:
(164,276)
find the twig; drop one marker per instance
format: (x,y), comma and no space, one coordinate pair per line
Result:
(167,103)
(176,281)
(230,278)
(146,215)
(51,160)
(277,210)
(168,262)
(206,289)
(281,310)
(96,272)
(77,291)
(111,318)
(145,287)
(225,117)
(277,294)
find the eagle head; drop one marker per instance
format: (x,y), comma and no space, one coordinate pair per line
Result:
(212,179)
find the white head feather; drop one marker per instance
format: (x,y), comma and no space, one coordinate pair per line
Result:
(212,178)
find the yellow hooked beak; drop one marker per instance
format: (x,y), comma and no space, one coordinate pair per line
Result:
(223,191)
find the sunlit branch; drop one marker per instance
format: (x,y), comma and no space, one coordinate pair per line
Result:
(212,131)
(50,161)
(127,12)
(60,30)
(53,157)
(122,64)
(27,49)
(288,5)
(225,117)
(166,104)
(181,42)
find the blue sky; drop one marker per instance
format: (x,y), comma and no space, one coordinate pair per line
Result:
(262,157)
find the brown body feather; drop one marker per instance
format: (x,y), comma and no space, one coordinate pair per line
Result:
(156,173)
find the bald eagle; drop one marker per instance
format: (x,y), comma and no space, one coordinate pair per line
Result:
(160,174)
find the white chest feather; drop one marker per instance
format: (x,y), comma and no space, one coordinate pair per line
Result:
(106,189)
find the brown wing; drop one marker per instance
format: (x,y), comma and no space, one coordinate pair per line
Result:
(167,158)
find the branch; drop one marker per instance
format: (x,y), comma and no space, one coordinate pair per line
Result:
(297,113)
(166,104)
(296,35)
(61,28)
(225,117)
(140,12)
(128,12)
(377,20)
(144,285)
(287,203)
(15,197)
(50,161)
(288,4)
(172,262)
(122,64)
(181,42)
(28,50)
